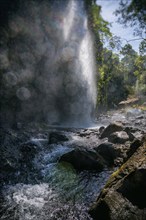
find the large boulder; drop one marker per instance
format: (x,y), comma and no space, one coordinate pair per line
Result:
(82,159)
(130,131)
(133,147)
(111,128)
(101,129)
(134,133)
(124,196)
(118,137)
(108,151)
(29,149)
(57,137)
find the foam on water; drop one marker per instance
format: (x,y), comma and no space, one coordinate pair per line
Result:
(58,192)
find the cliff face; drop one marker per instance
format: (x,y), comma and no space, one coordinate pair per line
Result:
(124,196)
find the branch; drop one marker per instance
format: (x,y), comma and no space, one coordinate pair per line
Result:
(136,39)
(133,39)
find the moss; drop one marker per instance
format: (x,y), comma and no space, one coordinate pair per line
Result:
(128,167)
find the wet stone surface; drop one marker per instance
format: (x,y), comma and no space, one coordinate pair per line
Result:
(36,186)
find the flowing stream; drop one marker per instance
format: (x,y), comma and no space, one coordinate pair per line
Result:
(41,188)
(49,190)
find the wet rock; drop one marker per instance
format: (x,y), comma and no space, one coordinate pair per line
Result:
(134,133)
(118,137)
(87,133)
(133,147)
(134,112)
(10,154)
(113,127)
(129,131)
(57,137)
(124,196)
(28,152)
(29,149)
(134,188)
(101,129)
(8,164)
(139,135)
(8,167)
(129,102)
(140,117)
(84,160)
(107,151)
(84,134)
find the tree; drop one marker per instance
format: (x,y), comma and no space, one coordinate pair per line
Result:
(140,73)
(111,85)
(134,70)
(98,25)
(110,80)
(133,13)
(142,47)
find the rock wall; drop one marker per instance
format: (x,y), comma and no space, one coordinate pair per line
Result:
(124,196)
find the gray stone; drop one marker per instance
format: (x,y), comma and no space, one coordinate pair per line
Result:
(84,160)
(57,137)
(107,151)
(113,127)
(118,137)
(124,195)
(101,129)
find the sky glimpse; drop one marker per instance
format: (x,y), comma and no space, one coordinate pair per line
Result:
(108,8)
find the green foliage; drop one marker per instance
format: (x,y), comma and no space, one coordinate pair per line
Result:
(99,24)
(111,86)
(140,73)
(118,76)
(142,47)
(115,42)
(127,50)
(134,70)
(99,27)
(128,66)
(133,13)
(88,3)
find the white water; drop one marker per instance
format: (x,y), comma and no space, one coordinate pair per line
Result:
(58,192)
(76,32)
(76,59)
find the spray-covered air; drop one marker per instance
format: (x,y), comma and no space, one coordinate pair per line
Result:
(48,63)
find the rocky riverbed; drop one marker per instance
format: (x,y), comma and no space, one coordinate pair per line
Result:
(62,173)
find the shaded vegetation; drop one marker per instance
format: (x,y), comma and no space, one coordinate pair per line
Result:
(123,74)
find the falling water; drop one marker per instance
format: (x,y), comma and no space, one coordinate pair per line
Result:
(48,64)
(76,94)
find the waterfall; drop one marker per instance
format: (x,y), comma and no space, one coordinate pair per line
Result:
(49,63)
(76,61)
